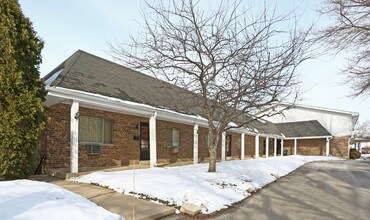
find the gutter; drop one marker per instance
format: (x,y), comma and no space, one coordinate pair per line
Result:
(104,102)
(143,110)
(309,137)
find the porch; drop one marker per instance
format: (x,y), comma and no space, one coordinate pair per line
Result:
(113,133)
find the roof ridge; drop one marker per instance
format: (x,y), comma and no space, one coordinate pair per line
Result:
(70,66)
(322,108)
(134,71)
(297,121)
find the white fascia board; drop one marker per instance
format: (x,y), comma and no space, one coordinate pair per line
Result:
(272,136)
(309,137)
(104,102)
(354,114)
(243,130)
(248,132)
(108,103)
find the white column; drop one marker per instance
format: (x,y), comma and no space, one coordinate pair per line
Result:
(295,146)
(267,147)
(282,147)
(153,140)
(275,147)
(257,146)
(242,146)
(195,144)
(74,137)
(223,146)
(327,147)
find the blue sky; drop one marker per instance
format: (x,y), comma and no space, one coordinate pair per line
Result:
(68,25)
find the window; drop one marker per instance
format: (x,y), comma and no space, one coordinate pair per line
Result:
(206,141)
(93,149)
(228,145)
(95,130)
(173,137)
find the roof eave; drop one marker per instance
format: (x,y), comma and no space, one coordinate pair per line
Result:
(102,102)
(309,137)
(353,114)
(143,110)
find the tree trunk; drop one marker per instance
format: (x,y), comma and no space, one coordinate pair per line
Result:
(213,137)
(212,158)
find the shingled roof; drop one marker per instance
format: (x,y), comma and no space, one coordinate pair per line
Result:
(302,129)
(89,73)
(86,72)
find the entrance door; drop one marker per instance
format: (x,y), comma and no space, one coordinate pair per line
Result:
(144,141)
(228,145)
(278,150)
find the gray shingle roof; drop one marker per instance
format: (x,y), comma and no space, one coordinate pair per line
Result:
(302,129)
(86,72)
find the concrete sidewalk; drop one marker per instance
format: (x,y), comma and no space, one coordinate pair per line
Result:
(127,206)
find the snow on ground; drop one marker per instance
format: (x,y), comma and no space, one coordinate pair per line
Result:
(26,199)
(365,156)
(193,184)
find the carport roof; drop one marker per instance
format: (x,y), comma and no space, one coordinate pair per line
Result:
(298,129)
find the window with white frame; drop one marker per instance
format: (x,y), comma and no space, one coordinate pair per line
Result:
(95,130)
(206,141)
(173,137)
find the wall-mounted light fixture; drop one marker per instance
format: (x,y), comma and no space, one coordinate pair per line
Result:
(77,115)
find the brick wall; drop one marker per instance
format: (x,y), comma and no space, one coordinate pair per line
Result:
(339,146)
(289,145)
(124,149)
(55,139)
(203,152)
(315,147)
(171,154)
(250,146)
(249,142)
(235,145)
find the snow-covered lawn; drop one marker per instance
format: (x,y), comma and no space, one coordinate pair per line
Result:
(26,199)
(193,184)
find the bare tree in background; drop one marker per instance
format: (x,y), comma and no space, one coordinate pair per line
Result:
(235,61)
(362,130)
(350,31)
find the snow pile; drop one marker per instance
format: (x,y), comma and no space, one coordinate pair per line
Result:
(26,199)
(193,184)
(365,156)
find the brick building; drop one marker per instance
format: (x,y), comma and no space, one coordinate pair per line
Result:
(104,114)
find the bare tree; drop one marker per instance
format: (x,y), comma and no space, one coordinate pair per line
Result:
(362,130)
(350,31)
(236,62)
